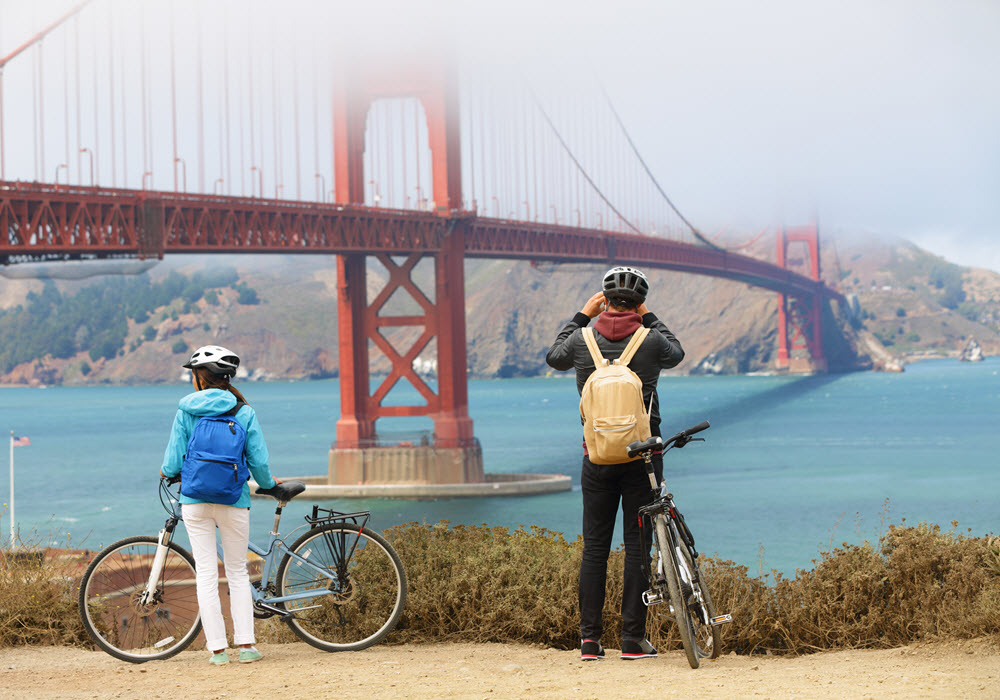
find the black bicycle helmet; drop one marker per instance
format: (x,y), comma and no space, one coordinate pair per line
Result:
(625,285)
(215,359)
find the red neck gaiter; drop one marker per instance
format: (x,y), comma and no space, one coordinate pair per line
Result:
(615,325)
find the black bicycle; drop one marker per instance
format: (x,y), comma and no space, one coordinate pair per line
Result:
(676,578)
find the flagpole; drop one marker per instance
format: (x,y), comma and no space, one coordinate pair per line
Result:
(12,489)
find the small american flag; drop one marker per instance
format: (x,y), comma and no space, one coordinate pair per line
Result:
(22,441)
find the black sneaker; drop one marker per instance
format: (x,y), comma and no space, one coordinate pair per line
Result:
(637,650)
(591,650)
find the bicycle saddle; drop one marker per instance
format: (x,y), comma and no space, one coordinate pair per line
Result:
(285,491)
(650,443)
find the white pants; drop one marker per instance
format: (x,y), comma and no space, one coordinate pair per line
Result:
(201,520)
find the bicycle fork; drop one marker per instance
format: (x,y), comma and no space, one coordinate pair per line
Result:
(148,596)
(691,590)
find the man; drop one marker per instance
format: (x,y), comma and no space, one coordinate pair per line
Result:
(624,298)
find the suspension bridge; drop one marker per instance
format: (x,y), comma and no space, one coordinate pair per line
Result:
(127,132)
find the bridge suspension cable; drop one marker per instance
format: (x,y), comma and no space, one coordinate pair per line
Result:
(697,234)
(576,162)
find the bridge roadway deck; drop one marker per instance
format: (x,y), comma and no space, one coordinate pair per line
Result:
(59,222)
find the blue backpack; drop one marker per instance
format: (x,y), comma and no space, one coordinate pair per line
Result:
(215,468)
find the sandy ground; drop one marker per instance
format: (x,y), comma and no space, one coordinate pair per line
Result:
(937,670)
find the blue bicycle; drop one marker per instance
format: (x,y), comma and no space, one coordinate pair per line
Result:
(340,586)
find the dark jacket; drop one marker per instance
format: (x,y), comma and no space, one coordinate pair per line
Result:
(659,351)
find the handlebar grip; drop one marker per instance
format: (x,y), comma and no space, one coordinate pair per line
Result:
(681,437)
(704,425)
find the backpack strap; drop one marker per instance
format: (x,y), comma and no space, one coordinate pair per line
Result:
(235,409)
(633,345)
(595,352)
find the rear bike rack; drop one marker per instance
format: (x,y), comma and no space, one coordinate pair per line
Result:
(322,516)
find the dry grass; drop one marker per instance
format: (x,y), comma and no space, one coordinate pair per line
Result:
(38,600)
(483,584)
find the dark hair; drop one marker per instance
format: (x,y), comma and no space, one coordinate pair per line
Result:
(209,380)
(622,301)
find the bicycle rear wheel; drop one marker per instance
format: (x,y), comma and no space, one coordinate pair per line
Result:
(363,600)
(707,637)
(110,605)
(665,550)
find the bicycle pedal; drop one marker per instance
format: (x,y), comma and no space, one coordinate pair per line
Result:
(720,620)
(651,598)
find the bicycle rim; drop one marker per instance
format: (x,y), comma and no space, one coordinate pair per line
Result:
(111,611)
(706,637)
(363,600)
(664,545)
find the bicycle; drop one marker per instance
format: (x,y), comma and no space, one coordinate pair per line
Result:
(339,587)
(676,577)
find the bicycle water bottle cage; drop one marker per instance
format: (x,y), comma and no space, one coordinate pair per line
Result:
(322,516)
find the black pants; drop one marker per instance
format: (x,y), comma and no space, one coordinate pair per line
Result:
(604,485)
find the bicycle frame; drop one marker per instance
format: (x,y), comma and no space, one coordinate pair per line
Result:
(270,555)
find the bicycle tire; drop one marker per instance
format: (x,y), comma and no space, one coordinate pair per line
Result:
(368,589)
(665,549)
(109,607)
(707,637)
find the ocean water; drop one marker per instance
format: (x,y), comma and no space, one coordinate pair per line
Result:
(791,465)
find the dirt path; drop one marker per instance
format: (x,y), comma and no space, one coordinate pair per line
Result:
(941,670)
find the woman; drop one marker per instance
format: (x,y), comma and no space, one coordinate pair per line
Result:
(211,369)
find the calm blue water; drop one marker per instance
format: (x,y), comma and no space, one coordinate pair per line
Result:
(791,464)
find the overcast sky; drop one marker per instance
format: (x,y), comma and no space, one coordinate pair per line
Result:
(877,116)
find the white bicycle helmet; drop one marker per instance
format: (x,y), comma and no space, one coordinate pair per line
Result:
(215,359)
(625,284)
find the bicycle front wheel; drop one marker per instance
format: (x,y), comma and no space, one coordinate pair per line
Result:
(666,552)
(359,594)
(116,617)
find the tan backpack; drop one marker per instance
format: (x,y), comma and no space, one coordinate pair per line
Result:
(611,403)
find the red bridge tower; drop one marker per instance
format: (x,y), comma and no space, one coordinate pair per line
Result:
(800,318)
(454,455)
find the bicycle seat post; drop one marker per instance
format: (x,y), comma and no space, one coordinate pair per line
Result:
(647,457)
(277,518)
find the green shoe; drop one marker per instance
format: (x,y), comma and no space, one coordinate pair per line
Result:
(220,659)
(248,656)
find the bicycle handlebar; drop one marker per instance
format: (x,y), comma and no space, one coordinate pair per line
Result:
(704,425)
(679,440)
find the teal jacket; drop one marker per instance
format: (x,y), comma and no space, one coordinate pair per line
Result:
(214,402)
